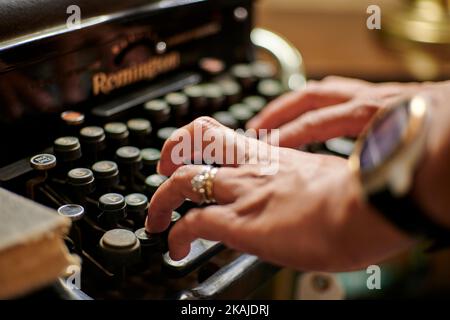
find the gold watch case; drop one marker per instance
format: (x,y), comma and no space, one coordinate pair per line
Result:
(396,172)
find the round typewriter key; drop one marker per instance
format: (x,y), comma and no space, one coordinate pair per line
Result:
(92,134)
(146,239)
(111,202)
(128,154)
(43,162)
(255,103)
(196,97)
(212,66)
(227,119)
(150,156)
(120,247)
(165,133)
(113,209)
(175,217)
(93,142)
(140,130)
(179,104)
(82,180)
(72,118)
(158,111)
(136,201)
(270,89)
(105,168)
(241,113)
(106,174)
(80,176)
(154,181)
(74,212)
(231,90)
(244,75)
(117,136)
(139,126)
(214,96)
(116,130)
(67,148)
(263,70)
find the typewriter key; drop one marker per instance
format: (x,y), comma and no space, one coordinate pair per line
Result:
(113,209)
(106,174)
(263,70)
(128,155)
(158,111)
(111,202)
(43,162)
(244,75)
(140,130)
(74,212)
(196,97)
(211,66)
(137,205)
(67,149)
(150,158)
(139,126)
(241,112)
(150,244)
(179,104)
(153,182)
(116,134)
(214,96)
(255,103)
(231,90)
(227,119)
(92,134)
(93,142)
(270,89)
(164,134)
(72,118)
(81,180)
(120,247)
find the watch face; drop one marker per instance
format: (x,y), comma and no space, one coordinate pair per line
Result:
(384,137)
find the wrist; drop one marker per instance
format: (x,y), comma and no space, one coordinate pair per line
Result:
(431,182)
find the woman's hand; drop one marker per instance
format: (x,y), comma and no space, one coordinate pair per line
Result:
(327,109)
(308,214)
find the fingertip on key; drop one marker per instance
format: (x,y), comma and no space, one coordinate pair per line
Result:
(179,253)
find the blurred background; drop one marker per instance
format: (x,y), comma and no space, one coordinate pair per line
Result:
(413,44)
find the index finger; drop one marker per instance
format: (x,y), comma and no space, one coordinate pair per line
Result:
(202,141)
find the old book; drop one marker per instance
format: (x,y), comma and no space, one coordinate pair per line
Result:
(32,250)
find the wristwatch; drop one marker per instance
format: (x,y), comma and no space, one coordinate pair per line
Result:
(385,159)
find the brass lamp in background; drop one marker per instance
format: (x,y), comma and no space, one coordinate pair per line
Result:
(420,31)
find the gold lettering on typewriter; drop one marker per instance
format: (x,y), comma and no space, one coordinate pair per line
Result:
(107,82)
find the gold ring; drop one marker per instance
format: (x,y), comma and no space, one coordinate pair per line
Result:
(203,183)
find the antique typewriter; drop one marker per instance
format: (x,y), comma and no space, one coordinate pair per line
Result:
(86,107)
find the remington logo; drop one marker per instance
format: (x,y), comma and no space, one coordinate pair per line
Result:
(107,82)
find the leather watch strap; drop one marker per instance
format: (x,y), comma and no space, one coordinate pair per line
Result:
(407,215)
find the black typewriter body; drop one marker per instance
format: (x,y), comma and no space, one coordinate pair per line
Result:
(83,113)
(85,110)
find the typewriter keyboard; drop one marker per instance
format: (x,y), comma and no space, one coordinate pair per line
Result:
(102,173)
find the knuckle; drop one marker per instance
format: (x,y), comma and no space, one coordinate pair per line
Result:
(208,122)
(181,173)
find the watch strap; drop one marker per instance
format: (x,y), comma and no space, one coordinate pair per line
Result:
(407,215)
